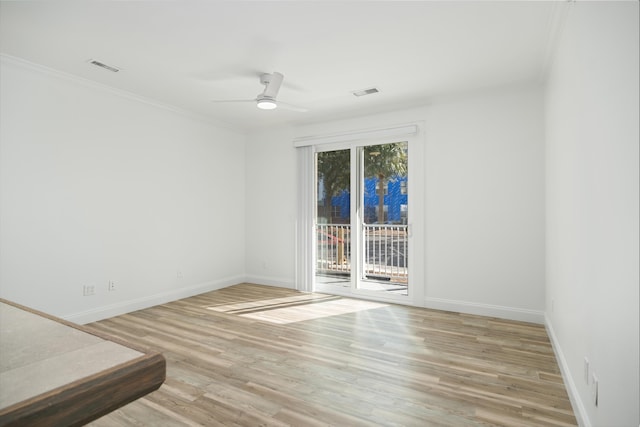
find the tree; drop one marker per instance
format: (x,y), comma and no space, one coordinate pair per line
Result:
(384,162)
(333,169)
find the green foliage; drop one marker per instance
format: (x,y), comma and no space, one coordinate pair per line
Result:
(383,161)
(386,160)
(333,168)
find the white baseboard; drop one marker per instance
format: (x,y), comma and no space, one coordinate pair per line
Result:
(124,307)
(502,312)
(271,281)
(578,406)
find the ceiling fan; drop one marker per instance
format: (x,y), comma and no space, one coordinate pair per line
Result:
(267,99)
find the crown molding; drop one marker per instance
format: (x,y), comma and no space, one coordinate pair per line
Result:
(19,62)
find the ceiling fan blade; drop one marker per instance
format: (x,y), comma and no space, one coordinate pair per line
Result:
(273,85)
(291,107)
(232,100)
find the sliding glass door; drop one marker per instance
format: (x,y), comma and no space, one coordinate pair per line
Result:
(363,244)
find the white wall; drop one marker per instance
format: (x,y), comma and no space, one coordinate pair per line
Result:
(592,208)
(484,200)
(271,207)
(485,204)
(98,186)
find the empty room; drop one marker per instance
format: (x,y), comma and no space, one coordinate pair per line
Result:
(308,213)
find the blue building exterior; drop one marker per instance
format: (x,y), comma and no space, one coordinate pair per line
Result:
(395,201)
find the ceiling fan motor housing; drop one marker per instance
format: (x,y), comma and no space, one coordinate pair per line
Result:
(265,78)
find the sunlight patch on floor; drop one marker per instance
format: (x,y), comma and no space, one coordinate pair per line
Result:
(270,304)
(299,313)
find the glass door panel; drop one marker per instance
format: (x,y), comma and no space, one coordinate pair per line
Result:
(384,202)
(333,220)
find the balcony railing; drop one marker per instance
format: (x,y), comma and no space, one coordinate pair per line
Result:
(384,251)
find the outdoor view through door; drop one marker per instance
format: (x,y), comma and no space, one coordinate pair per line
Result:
(361,218)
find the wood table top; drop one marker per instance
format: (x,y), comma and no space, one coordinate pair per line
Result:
(53,371)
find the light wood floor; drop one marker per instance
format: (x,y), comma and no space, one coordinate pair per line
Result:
(253,355)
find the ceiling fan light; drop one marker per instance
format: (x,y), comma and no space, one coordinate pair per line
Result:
(267,104)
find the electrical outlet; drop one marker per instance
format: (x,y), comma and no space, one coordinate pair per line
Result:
(585,374)
(179,274)
(112,285)
(88,290)
(594,389)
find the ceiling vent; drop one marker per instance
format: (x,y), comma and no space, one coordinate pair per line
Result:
(364,92)
(103,65)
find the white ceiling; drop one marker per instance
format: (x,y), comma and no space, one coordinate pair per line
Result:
(186,53)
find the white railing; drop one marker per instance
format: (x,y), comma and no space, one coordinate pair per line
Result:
(385,250)
(333,252)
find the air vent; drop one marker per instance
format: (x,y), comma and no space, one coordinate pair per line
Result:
(364,92)
(103,65)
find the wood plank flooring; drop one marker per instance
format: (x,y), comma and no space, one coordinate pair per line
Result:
(251,355)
